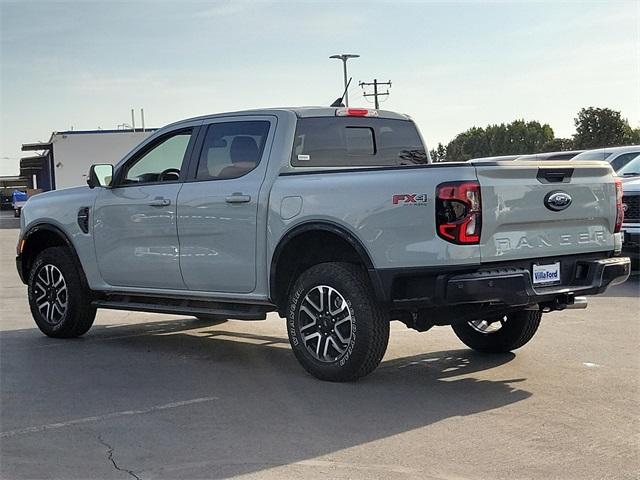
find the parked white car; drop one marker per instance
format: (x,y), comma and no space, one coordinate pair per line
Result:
(618,157)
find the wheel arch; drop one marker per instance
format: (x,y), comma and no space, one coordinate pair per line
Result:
(42,236)
(326,237)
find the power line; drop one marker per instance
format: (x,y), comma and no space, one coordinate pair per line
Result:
(375,93)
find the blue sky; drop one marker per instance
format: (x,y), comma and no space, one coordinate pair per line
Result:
(453,64)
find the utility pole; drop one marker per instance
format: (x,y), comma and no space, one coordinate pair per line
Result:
(344,57)
(375,93)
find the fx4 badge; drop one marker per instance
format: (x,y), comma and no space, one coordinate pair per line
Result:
(410,199)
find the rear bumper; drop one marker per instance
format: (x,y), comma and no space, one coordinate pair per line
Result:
(509,284)
(514,287)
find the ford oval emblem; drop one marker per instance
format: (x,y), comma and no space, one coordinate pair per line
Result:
(557,200)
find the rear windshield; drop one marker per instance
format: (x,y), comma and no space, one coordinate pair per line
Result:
(356,141)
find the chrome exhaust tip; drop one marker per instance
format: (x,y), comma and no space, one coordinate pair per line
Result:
(578,303)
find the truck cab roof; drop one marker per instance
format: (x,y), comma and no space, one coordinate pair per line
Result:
(300,112)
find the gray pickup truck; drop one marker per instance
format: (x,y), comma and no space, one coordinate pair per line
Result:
(333,217)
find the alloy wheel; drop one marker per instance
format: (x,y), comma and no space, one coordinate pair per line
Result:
(488,326)
(325,323)
(51,294)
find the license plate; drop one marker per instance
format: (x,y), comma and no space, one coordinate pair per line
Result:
(546,273)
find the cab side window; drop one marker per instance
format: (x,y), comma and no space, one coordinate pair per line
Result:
(161,163)
(231,149)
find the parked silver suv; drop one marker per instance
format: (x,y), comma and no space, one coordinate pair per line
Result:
(618,157)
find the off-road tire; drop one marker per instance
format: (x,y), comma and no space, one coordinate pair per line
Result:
(79,314)
(369,322)
(516,331)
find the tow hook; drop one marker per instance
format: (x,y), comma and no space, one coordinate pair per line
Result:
(566,301)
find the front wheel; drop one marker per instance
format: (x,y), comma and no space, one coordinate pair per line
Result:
(337,330)
(499,333)
(59,300)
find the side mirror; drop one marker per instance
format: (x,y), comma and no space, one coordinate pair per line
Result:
(100,175)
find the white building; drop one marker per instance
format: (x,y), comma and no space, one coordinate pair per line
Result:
(67,156)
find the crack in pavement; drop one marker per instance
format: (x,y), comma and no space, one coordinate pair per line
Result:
(110,458)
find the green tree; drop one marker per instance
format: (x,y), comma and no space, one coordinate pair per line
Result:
(438,154)
(595,127)
(558,145)
(601,127)
(632,136)
(517,137)
(469,144)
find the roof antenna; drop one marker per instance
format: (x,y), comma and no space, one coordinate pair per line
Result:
(338,102)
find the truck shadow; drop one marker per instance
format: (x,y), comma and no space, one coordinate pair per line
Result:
(628,289)
(267,412)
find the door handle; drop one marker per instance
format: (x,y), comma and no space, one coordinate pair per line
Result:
(160,202)
(238,198)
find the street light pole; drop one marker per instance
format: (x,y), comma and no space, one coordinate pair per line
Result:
(344,57)
(346,90)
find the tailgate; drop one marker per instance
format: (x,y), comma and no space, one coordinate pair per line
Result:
(534,209)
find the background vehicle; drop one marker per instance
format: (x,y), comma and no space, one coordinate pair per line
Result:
(631,170)
(564,155)
(618,157)
(630,174)
(334,218)
(495,159)
(18,200)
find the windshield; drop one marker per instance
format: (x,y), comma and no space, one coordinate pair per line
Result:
(631,169)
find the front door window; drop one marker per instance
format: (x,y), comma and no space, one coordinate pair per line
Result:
(162,163)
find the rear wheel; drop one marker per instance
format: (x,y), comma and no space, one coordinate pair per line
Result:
(500,333)
(58,297)
(337,330)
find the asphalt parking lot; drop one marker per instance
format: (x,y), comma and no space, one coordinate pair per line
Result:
(157,396)
(8,220)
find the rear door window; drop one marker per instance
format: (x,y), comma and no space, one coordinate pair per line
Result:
(232,149)
(352,141)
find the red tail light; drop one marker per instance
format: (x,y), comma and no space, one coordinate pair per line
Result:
(619,209)
(459,212)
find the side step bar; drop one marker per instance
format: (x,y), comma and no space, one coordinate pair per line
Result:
(179,306)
